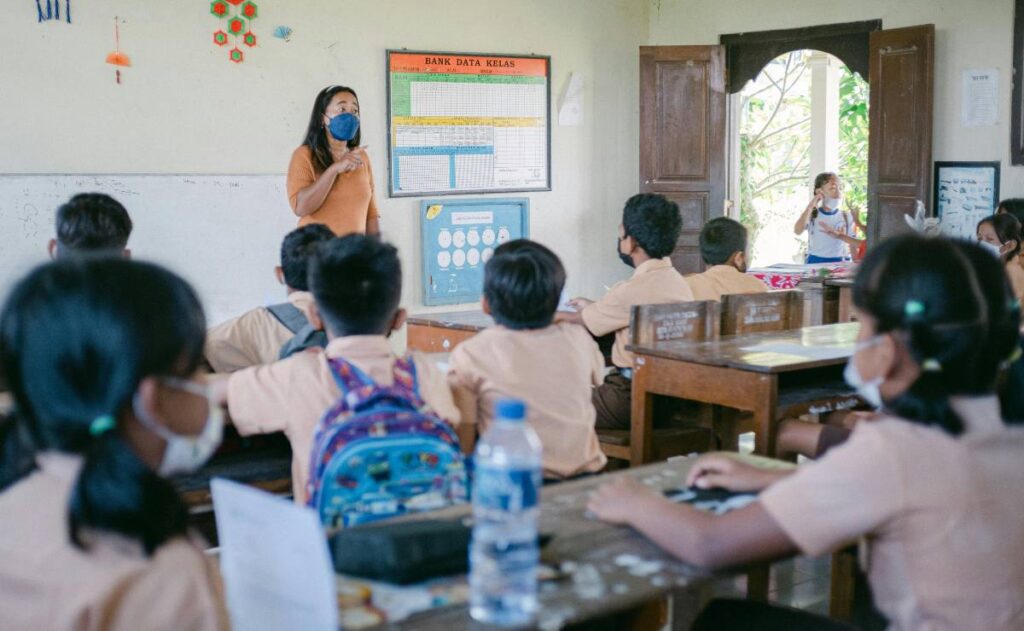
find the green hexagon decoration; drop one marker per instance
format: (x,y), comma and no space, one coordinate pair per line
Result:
(236,26)
(249,38)
(249,10)
(236,55)
(219,8)
(220,38)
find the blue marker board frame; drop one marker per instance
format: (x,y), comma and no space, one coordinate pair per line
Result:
(458,237)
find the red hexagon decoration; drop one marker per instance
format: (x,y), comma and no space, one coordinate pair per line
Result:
(249,38)
(236,55)
(219,8)
(249,9)
(235,2)
(220,37)
(236,26)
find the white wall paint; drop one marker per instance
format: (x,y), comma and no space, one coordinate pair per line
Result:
(183,108)
(968,34)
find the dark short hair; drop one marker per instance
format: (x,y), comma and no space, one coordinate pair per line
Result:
(1007,228)
(297,248)
(356,281)
(654,223)
(951,304)
(1013,206)
(523,283)
(92,222)
(720,238)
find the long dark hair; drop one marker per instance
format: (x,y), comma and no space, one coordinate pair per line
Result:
(76,338)
(1007,228)
(950,304)
(316,135)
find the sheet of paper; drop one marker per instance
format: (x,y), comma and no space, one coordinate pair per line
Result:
(563,303)
(570,111)
(274,558)
(979,106)
(805,352)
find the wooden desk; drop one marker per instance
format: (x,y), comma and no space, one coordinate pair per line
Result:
(598,550)
(845,288)
(821,302)
(771,375)
(442,332)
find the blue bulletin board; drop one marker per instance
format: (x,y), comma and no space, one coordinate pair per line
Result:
(459,237)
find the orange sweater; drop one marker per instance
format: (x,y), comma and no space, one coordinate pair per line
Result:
(348,205)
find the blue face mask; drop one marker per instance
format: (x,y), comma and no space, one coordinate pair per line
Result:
(344,126)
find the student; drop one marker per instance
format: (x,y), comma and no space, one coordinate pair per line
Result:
(356,282)
(933,489)
(257,337)
(102,357)
(823,220)
(647,235)
(1001,235)
(552,367)
(723,246)
(91,223)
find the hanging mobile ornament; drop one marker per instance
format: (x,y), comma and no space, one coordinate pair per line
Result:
(117,58)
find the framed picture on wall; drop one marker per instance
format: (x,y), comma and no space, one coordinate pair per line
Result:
(965,193)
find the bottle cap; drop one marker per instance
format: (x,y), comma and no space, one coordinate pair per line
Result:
(510,410)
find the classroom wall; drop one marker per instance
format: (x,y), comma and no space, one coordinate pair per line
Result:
(969,34)
(183,108)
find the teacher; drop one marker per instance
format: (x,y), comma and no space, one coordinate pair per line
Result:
(329,178)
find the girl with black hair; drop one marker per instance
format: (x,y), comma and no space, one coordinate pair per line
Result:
(828,226)
(933,487)
(102,356)
(329,177)
(1001,235)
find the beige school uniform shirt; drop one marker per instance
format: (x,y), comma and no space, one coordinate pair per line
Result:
(942,517)
(254,338)
(48,583)
(722,280)
(551,369)
(292,395)
(653,282)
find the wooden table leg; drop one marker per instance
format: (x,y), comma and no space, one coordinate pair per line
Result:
(641,417)
(765,415)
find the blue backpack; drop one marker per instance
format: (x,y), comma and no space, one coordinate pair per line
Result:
(380,451)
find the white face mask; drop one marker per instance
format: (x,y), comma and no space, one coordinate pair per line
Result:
(832,203)
(996,250)
(868,390)
(185,454)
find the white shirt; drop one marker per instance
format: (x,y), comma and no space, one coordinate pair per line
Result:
(822,244)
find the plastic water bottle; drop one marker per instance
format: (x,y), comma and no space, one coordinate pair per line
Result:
(503,555)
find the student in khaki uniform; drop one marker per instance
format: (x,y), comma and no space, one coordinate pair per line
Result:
(256,337)
(102,357)
(91,223)
(552,367)
(356,282)
(932,489)
(723,246)
(648,234)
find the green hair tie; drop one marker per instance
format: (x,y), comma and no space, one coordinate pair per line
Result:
(101,425)
(913,308)
(931,365)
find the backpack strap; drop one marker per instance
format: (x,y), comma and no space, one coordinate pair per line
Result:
(290,316)
(306,337)
(348,376)
(404,375)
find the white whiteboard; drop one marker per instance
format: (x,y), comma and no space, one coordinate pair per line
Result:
(220,232)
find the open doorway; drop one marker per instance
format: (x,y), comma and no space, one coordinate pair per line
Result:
(804,113)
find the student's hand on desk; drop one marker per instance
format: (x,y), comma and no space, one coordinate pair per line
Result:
(621,500)
(855,417)
(727,472)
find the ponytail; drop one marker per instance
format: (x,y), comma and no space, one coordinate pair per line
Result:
(17,451)
(117,492)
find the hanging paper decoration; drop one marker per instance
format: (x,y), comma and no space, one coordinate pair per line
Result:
(117,58)
(237,26)
(283,32)
(53,10)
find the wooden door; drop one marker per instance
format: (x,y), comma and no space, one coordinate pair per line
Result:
(682,137)
(900,127)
